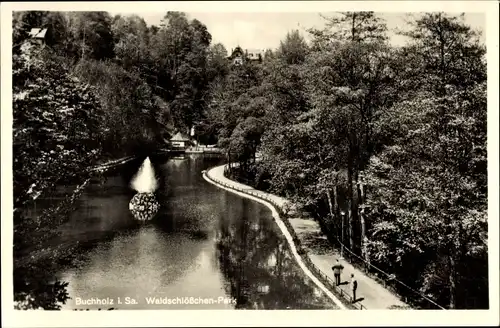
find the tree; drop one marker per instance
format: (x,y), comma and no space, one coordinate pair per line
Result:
(430,181)
(428,198)
(293,49)
(56,137)
(234,99)
(348,87)
(132,115)
(218,64)
(179,50)
(448,52)
(131,41)
(91,35)
(355,26)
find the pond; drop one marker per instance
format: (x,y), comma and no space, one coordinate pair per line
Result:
(206,249)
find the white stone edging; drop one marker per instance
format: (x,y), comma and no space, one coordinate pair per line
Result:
(287,235)
(110,164)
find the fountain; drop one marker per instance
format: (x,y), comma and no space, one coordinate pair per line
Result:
(144,205)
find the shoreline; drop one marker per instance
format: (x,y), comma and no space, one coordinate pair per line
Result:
(288,236)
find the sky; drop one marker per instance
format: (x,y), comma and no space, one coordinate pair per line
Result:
(265,30)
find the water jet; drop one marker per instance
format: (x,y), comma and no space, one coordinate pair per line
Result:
(144,205)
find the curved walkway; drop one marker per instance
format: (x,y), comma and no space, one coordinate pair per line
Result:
(370,293)
(216,176)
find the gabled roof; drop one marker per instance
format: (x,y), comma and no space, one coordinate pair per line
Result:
(179,137)
(38,33)
(235,51)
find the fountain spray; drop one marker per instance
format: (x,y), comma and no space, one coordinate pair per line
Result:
(144,205)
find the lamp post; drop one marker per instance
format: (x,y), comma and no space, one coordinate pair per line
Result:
(342,246)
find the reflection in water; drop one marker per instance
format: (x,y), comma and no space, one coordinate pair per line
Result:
(138,264)
(261,272)
(204,243)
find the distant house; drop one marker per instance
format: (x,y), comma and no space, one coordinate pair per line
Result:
(236,56)
(254,55)
(37,35)
(36,40)
(239,56)
(180,140)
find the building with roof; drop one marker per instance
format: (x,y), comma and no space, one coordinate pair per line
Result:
(239,56)
(236,56)
(180,140)
(37,35)
(36,41)
(255,55)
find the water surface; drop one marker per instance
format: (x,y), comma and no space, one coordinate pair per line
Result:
(206,246)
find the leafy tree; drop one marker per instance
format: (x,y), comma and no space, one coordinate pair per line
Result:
(55,125)
(430,181)
(179,50)
(448,53)
(355,26)
(285,141)
(35,288)
(132,115)
(241,100)
(428,197)
(131,41)
(348,87)
(293,49)
(56,137)
(218,65)
(90,35)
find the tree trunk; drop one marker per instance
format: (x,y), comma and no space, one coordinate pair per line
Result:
(353,33)
(351,201)
(336,211)
(453,280)
(330,204)
(331,221)
(359,245)
(364,252)
(335,200)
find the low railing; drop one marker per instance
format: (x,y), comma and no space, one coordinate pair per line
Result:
(327,281)
(389,281)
